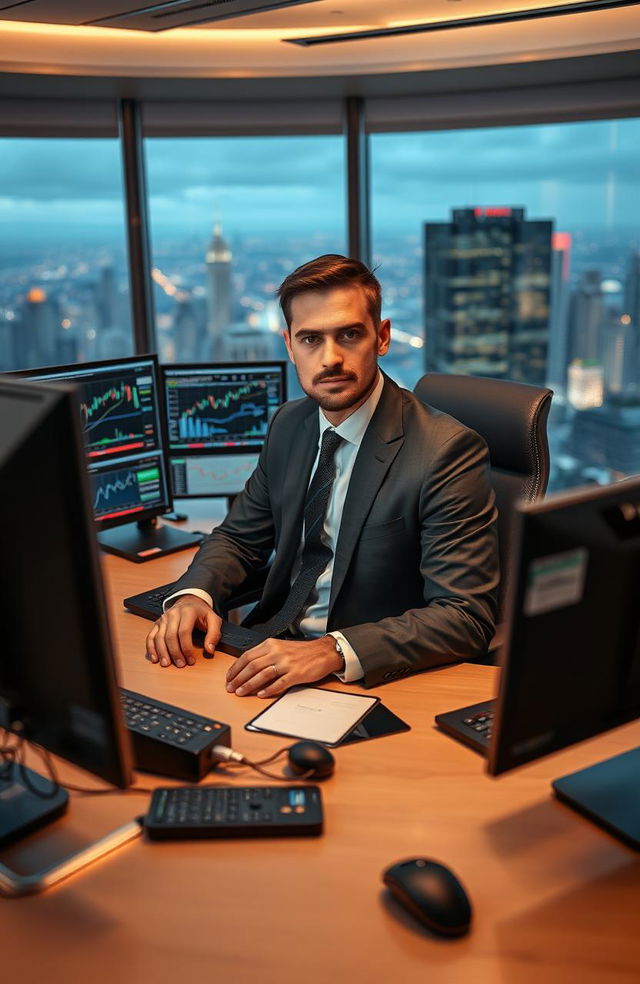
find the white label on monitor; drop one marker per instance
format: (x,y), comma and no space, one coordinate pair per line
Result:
(555,581)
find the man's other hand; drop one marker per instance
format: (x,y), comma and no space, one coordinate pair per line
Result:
(275,665)
(171,638)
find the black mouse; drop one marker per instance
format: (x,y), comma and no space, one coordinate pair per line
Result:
(432,893)
(309,756)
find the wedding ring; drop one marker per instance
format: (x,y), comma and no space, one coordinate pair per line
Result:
(275,670)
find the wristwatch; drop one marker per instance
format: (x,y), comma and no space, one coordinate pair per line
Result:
(340,654)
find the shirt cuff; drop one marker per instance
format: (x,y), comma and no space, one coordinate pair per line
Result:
(198,592)
(352,666)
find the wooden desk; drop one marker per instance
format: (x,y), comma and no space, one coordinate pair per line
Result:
(555,898)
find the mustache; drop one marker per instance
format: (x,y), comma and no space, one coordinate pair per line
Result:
(332,374)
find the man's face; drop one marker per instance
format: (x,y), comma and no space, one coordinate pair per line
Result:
(334,346)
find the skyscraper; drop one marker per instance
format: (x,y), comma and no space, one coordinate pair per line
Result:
(487,293)
(559,318)
(587,320)
(40,335)
(218,260)
(632,291)
(106,297)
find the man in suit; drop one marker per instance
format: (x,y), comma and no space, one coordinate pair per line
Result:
(377,510)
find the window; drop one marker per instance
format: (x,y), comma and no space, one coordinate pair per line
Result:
(230,218)
(63,268)
(515,252)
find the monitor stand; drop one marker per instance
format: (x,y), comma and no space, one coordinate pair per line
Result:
(607,793)
(146,540)
(29,801)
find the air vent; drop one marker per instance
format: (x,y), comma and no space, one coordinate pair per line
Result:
(182,13)
(482,20)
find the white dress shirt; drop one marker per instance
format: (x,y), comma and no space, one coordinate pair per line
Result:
(314,620)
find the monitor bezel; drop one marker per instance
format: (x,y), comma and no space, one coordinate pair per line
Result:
(45,374)
(93,587)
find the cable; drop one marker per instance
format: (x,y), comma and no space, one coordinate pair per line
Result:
(228,758)
(14,754)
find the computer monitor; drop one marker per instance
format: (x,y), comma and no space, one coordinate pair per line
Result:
(57,677)
(120,405)
(571,663)
(218,415)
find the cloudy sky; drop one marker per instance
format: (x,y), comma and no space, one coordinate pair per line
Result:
(580,174)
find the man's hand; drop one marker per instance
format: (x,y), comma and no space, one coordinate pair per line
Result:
(275,665)
(171,640)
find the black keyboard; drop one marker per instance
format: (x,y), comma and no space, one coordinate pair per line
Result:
(472,725)
(222,811)
(170,740)
(234,640)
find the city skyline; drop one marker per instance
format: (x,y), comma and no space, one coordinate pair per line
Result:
(280,201)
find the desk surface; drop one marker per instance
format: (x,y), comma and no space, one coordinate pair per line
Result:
(555,898)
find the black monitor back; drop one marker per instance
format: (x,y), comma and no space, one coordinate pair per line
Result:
(57,677)
(571,667)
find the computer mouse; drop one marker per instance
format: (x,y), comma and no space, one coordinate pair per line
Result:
(432,893)
(309,756)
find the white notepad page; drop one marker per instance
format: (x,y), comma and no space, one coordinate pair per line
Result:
(314,714)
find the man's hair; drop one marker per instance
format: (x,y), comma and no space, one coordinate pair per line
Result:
(325,272)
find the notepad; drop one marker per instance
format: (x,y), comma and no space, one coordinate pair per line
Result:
(314,714)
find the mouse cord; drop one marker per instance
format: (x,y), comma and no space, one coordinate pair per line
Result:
(242,762)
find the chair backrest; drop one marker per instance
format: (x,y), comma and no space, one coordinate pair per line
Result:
(512,418)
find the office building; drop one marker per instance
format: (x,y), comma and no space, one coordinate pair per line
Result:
(632,290)
(303,146)
(609,437)
(488,294)
(588,320)
(558,321)
(40,338)
(219,291)
(106,297)
(622,362)
(585,384)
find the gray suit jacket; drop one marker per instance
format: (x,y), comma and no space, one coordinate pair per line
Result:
(415,568)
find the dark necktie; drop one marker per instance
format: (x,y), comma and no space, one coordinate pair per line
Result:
(315,554)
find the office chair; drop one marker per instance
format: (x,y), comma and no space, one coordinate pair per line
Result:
(512,418)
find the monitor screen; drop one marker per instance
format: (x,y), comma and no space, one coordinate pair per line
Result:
(196,476)
(120,408)
(571,666)
(57,675)
(217,407)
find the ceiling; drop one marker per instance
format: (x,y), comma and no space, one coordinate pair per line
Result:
(52,37)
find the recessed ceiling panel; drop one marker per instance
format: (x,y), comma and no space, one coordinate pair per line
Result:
(136,15)
(182,13)
(65,11)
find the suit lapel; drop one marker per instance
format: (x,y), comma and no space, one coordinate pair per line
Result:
(382,440)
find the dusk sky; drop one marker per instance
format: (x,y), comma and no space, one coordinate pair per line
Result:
(583,175)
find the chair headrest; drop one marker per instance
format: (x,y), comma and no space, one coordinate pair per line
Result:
(510,416)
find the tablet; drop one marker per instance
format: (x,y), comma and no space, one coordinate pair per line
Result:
(314,714)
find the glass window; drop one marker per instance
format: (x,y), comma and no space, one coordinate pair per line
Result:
(515,252)
(64,293)
(230,218)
